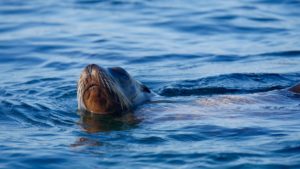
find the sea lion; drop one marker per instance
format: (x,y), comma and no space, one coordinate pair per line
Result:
(109,90)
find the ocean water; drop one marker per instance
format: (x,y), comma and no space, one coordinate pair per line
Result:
(221,68)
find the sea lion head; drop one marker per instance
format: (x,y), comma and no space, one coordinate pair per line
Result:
(109,90)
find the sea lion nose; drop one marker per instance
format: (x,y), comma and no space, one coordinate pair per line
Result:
(91,69)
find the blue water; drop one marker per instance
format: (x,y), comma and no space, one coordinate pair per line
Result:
(221,69)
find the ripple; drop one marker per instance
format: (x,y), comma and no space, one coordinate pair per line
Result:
(193,53)
(42,80)
(167,57)
(290,53)
(155,140)
(289,149)
(187,137)
(229,84)
(60,65)
(25,61)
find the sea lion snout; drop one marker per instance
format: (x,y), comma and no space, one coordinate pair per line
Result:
(91,91)
(91,70)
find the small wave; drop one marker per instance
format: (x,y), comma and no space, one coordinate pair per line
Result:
(60,65)
(90,2)
(151,140)
(22,113)
(24,61)
(187,137)
(166,57)
(35,114)
(213,131)
(106,2)
(289,149)
(31,104)
(210,29)
(289,53)
(42,80)
(292,2)
(230,84)
(211,91)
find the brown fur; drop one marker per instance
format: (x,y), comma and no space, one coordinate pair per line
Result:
(99,94)
(97,101)
(295,89)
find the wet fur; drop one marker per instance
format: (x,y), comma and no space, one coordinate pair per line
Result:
(104,90)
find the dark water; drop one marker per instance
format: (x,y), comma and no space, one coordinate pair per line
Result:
(221,67)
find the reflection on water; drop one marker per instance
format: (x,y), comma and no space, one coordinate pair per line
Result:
(82,141)
(93,123)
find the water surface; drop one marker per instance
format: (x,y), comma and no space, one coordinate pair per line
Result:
(221,68)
